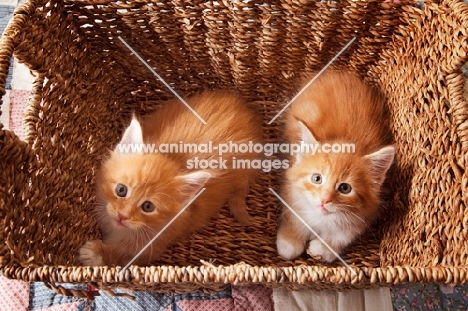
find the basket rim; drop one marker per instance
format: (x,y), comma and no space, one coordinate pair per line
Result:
(238,274)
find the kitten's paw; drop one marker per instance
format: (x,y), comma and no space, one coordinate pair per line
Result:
(317,248)
(288,248)
(90,253)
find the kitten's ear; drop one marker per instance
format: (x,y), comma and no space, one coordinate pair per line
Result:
(306,135)
(132,135)
(193,182)
(380,161)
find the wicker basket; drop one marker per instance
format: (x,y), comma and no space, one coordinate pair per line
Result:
(88,84)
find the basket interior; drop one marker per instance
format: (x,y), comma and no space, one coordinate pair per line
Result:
(89,84)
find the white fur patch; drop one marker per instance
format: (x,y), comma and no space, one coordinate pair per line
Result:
(288,249)
(317,248)
(89,254)
(335,228)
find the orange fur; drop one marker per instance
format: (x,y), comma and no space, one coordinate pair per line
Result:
(164,179)
(336,108)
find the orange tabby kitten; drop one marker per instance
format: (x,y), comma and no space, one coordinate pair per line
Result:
(336,193)
(139,193)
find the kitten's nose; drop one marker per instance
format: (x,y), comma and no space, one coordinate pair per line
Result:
(324,201)
(123,217)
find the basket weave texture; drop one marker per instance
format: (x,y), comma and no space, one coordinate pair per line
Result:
(88,84)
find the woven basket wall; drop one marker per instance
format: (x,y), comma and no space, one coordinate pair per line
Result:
(88,84)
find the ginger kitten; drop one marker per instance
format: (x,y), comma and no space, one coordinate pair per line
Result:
(139,193)
(336,193)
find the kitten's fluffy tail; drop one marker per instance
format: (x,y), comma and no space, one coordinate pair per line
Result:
(238,207)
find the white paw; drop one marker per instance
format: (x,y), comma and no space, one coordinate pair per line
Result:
(317,248)
(90,255)
(288,248)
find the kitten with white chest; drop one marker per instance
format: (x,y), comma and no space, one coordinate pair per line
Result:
(336,191)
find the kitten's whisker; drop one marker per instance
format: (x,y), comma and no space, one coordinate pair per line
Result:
(160,192)
(353,221)
(135,238)
(348,220)
(132,239)
(359,218)
(144,238)
(162,202)
(151,229)
(348,213)
(148,238)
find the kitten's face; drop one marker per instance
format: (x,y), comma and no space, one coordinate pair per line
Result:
(138,191)
(144,191)
(332,184)
(134,189)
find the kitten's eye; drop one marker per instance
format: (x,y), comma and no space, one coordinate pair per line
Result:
(316,178)
(344,188)
(147,207)
(121,190)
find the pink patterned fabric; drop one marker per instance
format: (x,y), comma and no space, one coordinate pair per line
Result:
(18,104)
(252,297)
(65,307)
(243,298)
(225,304)
(14,295)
